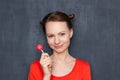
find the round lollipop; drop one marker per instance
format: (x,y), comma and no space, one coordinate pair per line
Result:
(39,47)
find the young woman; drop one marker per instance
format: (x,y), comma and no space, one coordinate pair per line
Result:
(60,65)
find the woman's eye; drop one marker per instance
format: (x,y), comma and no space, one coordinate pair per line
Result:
(62,34)
(50,36)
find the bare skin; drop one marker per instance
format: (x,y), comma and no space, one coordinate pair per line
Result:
(60,63)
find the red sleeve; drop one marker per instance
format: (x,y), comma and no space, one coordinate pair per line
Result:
(35,72)
(86,72)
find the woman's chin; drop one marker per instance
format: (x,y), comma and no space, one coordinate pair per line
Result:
(59,51)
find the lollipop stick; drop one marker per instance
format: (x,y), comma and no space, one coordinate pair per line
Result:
(42,51)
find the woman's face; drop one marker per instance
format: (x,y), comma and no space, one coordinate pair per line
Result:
(58,36)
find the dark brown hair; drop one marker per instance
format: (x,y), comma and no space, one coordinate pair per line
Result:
(57,16)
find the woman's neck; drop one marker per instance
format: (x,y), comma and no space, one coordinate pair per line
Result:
(61,57)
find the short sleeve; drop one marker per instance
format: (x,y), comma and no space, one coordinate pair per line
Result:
(86,72)
(35,71)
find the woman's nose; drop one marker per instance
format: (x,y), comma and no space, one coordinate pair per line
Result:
(57,40)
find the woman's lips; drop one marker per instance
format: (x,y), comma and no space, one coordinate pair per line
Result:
(58,46)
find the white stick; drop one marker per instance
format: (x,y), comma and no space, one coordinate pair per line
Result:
(42,51)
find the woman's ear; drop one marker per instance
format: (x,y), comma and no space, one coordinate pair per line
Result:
(71,33)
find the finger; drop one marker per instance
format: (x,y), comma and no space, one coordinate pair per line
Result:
(46,64)
(46,60)
(44,55)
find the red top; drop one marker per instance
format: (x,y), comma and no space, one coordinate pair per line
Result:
(80,71)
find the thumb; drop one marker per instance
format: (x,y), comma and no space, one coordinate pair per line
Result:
(44,55)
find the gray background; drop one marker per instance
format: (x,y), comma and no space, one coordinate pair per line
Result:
(96,35)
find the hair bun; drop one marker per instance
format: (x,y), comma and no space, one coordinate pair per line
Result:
(71,16)
(41,23)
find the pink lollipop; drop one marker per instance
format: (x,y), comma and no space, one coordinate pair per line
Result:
(39,47)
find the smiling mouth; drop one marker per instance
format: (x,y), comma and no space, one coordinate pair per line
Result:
(58,46)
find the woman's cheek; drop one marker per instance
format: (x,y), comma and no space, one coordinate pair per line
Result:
(50,43)
(66,39)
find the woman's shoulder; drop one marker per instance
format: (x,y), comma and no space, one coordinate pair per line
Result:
(35,70)
(35,63)
(82,62)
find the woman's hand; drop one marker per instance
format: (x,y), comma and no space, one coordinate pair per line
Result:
(45,62)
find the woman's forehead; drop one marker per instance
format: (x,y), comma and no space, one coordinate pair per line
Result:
(56,27)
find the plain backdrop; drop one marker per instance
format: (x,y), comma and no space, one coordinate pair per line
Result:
(96,35)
